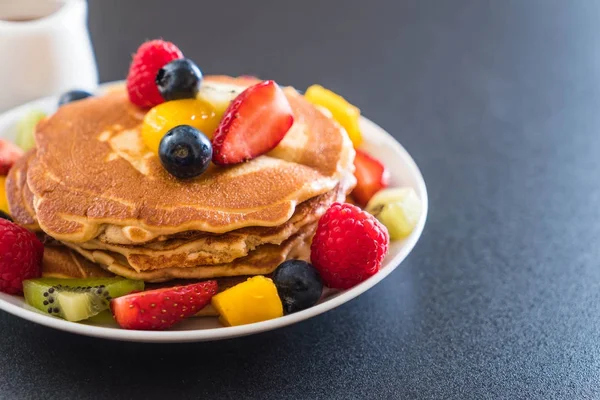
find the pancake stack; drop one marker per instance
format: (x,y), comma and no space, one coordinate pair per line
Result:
(104,199)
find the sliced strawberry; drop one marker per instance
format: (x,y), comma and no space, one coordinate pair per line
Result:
(371,176)
(253,124)
(162,308)
(9,153)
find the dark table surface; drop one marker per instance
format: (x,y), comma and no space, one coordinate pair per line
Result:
(499,104)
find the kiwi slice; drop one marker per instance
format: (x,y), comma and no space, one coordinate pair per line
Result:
(76,299)
(26,129)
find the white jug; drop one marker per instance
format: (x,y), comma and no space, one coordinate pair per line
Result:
(45,49)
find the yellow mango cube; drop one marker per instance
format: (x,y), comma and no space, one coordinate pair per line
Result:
(251,301)
(343,112)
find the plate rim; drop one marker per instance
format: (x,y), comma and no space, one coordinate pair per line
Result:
(221,333)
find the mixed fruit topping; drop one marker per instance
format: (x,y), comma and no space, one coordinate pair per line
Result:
(188,129)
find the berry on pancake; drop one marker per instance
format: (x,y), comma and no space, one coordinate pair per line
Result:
(179,79)
(253,124)
(185,152)
(73,95)
(147,61)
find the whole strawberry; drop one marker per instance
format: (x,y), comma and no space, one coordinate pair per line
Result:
(349,246)
(147,61)
(162,308)
(20,257)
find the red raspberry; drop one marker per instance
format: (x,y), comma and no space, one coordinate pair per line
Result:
(147,61)
(20,257)
(349,246)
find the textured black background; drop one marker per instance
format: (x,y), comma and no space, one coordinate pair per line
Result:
(499,103)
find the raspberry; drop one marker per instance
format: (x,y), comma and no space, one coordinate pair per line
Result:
(349,246)
(147,61)
(20,257)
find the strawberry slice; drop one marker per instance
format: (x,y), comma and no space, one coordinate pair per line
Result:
(9,153)
(371,176)
(253,124)
(162,308)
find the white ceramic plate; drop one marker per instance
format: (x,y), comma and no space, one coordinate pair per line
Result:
(404,172)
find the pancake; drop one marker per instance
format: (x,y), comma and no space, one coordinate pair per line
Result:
(62,262)
(16,185)
(92,174)
(263,260)
(202,248)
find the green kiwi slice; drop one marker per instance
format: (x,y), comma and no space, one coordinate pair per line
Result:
(26,129)
(76,299)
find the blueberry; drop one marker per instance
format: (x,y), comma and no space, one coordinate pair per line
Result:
(179,79)
(185,152)
(299,285)
(72,96)
(4,215)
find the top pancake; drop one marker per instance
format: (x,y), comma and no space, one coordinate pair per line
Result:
(92,171)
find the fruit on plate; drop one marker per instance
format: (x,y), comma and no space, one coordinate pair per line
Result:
(21,255)
(251,301)
(343,112)
(148,60)
(76,299)
(179,79)
(185,152)
(349,246)
(9,153)
(3,199)
(253,124)
(299,285)
(164,117)
(26,129)
(399,209)
(73,95)
(162,308)
(371,176)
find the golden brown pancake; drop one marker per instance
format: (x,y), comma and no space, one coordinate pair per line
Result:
(62,262)
(92,184)
(92,170)
(263,260)
(16,185)
(207,248)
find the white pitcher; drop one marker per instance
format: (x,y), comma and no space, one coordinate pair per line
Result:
(45,49)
